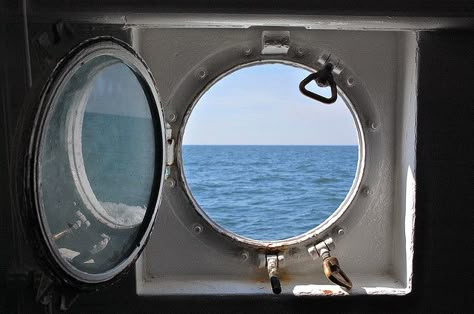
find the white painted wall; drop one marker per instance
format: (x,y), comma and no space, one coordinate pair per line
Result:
(375,249)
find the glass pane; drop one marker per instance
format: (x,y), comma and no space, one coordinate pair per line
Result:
(264,161)
(97,165)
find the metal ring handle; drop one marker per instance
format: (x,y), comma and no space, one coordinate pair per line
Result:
(322,77)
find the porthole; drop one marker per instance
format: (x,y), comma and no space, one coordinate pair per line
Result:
(97,161)
(262,162)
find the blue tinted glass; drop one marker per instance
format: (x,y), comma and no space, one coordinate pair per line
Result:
(97,165)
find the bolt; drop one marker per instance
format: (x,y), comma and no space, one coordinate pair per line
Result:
(244,255)
(350,81)
(373,126)
(201,74)
(340,231)
(170,182)
(197,228)
(247,51)
(366,191)
(300,51)
(44,40)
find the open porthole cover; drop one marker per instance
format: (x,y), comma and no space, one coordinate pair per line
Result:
(95,164)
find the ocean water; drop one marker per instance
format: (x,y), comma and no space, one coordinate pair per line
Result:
(258,192)
(119,160)
(269,192)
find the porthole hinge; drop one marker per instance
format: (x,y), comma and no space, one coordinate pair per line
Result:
(169,149)
(275,42)
(331,268)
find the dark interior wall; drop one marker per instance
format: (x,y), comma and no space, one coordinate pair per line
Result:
(443,237)
(336,7)
(444,226)
(12,83)
(48,43)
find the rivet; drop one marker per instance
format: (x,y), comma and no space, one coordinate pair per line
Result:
(244,255)
(373,126)
(201,73)
(247,51)
(350,81)
(300,51)
(340,232)
(197,228)
(171,182)
(366,191)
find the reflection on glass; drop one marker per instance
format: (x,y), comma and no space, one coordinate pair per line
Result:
(97,165)
(117,145)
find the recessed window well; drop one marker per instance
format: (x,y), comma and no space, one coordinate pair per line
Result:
(264,162)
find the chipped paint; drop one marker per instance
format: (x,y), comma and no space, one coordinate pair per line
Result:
(318,290)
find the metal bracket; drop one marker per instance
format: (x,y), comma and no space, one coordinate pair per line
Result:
(68,297)
(44,289)
(51,295)
(169,145)
(275,42)
(272,268)
(321,248)
(326,58)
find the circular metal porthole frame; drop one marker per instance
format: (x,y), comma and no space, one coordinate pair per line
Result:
(208,67)
(32,133)
(329,222)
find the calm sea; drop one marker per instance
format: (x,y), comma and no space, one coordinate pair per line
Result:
(269,192)
(259,192)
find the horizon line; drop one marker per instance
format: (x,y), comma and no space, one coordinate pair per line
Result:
(270,145)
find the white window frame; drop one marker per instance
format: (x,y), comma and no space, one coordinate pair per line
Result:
(188,255)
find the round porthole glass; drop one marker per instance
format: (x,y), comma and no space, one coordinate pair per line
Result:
(263,161)
(100,160)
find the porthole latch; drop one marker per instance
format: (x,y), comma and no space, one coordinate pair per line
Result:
(323,78)
(331,268)
(272,268)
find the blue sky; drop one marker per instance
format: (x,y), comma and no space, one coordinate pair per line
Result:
(261,105)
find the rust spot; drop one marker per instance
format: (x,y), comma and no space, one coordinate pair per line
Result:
(327,292)
(283,276)
(269,249)
(262,277)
